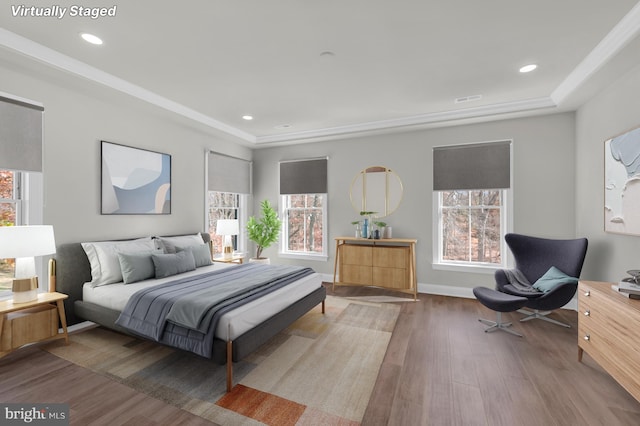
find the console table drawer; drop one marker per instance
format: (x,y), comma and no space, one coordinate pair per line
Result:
(388,263)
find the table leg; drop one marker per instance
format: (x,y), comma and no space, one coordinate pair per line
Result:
(63,320)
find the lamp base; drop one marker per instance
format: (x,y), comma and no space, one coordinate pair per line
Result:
(25,289)
(228,252)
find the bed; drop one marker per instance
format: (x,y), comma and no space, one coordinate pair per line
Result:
(238,331)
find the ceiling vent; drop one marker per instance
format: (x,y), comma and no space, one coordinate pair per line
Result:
(468,98)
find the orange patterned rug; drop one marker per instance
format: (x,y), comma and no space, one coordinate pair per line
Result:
(319,371)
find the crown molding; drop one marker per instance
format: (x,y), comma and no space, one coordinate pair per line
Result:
(624,31)
(416,120)
(65,63)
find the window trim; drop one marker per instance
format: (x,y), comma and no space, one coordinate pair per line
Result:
(506,219)
(243,217)
(29,205)
(324,256)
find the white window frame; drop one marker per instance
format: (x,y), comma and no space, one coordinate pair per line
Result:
(18,197)
(283,251)
(29,211)
(506,226)
(243,217)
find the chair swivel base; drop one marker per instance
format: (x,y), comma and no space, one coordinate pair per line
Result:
(498,325)
(536,314)
(499,302)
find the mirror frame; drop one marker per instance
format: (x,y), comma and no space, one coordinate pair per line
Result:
(361,180)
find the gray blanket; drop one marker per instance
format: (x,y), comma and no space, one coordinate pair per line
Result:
(184,313)
(519,281)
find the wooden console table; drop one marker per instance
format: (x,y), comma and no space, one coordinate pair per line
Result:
(388,263)
(608,331)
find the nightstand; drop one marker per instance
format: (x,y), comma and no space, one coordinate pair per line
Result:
(30,322)
(236,258)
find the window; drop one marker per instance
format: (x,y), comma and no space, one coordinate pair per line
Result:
(303,208)
(226,205)
(303,225)
(470,229)
(228,188)
(20,191)
(471,205)
(10,215)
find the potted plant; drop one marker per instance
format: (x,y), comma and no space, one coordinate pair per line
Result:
(264,231)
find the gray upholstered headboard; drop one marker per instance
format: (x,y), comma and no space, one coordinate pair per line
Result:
(73,270)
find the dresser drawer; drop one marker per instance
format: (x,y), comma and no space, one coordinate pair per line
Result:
(608,331)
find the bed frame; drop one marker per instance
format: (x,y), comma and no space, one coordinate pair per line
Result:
(72,270)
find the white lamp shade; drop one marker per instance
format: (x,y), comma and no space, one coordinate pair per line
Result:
(26,241)
(227,227)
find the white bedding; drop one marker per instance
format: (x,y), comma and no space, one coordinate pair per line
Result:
(232,324)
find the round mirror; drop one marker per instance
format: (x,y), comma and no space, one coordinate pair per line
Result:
(376,189)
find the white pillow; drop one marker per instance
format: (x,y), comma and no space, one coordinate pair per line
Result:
(171,243)
(103,257)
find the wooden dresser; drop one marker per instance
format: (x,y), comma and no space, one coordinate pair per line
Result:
(609,331)
(389,263)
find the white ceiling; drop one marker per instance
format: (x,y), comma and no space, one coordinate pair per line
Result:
(393,65)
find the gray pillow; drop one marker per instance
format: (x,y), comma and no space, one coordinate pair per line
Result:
(169,243)
(172,264)
(136,266)
(201,254)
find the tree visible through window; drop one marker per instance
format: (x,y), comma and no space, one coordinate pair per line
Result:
(471,226)
(9,216)
(304,228)
(222,205)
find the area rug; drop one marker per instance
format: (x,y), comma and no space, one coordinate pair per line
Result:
(319,371)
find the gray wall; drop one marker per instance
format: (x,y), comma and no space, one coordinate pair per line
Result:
(78,114)
(544,173)
(611,112)
(555,156)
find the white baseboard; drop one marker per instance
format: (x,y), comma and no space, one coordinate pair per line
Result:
(454,291)
(466,292)
(81,326)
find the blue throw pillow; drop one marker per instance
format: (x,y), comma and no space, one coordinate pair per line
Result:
(553,278)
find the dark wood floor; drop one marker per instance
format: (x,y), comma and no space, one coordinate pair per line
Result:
(31,375)
(440,369)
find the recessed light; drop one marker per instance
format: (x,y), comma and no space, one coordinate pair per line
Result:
(247,117)
(90,38)
(283,126)
(327,53)
(528,68)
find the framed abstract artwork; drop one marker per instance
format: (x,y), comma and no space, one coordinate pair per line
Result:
(134,181)
(622,183)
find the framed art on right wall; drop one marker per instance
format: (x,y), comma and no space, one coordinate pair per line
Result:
(622,183)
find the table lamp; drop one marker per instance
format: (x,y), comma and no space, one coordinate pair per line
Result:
(227,228)
(24,243)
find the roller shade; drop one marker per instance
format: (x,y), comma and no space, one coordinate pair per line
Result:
(229,174)
(303,176)
(20,135)
(472,166)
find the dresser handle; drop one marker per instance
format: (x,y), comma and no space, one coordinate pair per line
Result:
(587,293)
(587,337)
(587,313)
